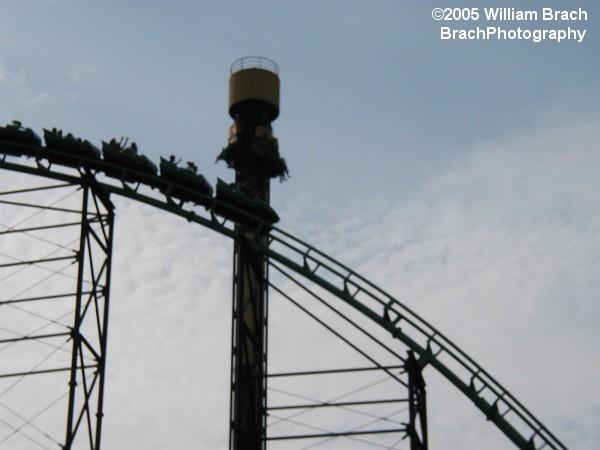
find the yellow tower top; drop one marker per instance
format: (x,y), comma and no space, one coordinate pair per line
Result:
(254,83)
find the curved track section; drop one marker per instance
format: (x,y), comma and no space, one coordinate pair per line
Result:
(431,346)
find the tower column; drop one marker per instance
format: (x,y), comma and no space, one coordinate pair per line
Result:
(253,153)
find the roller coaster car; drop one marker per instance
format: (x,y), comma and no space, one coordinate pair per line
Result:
(127,157)
(187,177)
(69,144)
(242,201)
(15,132)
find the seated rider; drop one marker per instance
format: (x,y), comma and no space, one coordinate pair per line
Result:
(173,161)
(132,148)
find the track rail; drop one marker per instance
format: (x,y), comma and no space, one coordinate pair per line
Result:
(432,347)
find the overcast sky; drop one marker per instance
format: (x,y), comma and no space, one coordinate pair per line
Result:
(460,176)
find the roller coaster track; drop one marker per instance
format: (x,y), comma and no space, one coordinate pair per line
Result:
(431,347)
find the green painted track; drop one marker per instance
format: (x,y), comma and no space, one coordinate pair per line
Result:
(431,346)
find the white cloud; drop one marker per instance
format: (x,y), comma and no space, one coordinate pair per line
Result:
(12,79)
(19,84)
(500,253)
(170,335)
(80,72)
(38,99)
(27,88)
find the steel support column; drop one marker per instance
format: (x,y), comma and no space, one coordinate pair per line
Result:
(417,427)
(250,314)
(249,353)
(89,330)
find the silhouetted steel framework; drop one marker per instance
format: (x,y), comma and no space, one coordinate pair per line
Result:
(88,264)
(91,307)
(77,319)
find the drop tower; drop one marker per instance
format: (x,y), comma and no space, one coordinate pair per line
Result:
(253,152)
